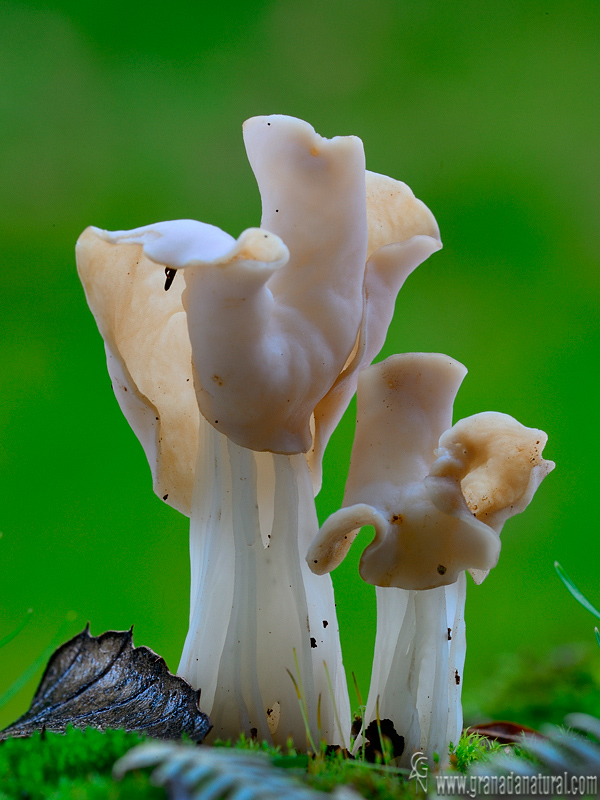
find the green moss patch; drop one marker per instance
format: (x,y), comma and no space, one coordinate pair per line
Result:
(76,765)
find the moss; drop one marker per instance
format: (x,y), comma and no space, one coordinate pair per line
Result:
(472,748)
(369,780)
(76,765)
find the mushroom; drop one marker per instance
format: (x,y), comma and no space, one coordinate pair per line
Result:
(437,497)
(233,380)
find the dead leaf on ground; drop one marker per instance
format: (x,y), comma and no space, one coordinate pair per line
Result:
(504,732)
(105,682)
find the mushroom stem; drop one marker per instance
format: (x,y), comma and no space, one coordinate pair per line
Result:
(418,666)
(255,605)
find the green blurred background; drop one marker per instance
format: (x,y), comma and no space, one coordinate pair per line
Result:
(120,117)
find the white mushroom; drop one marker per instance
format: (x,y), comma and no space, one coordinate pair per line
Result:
(264,335)
(437,498)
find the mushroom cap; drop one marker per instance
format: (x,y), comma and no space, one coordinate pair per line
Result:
(149,357)
(437,498)
(492,463)
(309,310)
(496,460)
(402,233)
(278,321)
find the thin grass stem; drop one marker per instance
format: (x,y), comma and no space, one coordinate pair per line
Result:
(335,711)
(10,636)
(302,702)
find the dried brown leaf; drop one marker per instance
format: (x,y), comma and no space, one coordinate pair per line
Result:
(105,682)
(504,732)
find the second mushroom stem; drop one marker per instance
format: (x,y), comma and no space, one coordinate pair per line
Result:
(418,666)
(256,609)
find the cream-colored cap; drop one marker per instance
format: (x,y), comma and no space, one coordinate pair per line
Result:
(437,498)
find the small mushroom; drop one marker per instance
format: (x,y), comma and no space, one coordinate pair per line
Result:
(437,497)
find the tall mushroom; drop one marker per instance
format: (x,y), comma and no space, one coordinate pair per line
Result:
(437,497)
(233,381)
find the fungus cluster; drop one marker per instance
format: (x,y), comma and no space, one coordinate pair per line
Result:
(233,380)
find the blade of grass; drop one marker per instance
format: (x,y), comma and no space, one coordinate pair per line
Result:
(575,591)
(382,740)
(26,676)
(357,690)
(10,636)
(362,709)
(302,702)
(319,717)
(335,711)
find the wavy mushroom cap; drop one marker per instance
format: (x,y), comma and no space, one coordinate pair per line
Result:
(278,321)
(149,357)
(437,498)
(493,464)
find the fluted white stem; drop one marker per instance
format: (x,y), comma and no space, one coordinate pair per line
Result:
(254,602)
(418,666)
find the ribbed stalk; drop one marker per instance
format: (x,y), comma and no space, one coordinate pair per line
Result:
(418,666)
(254,602)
